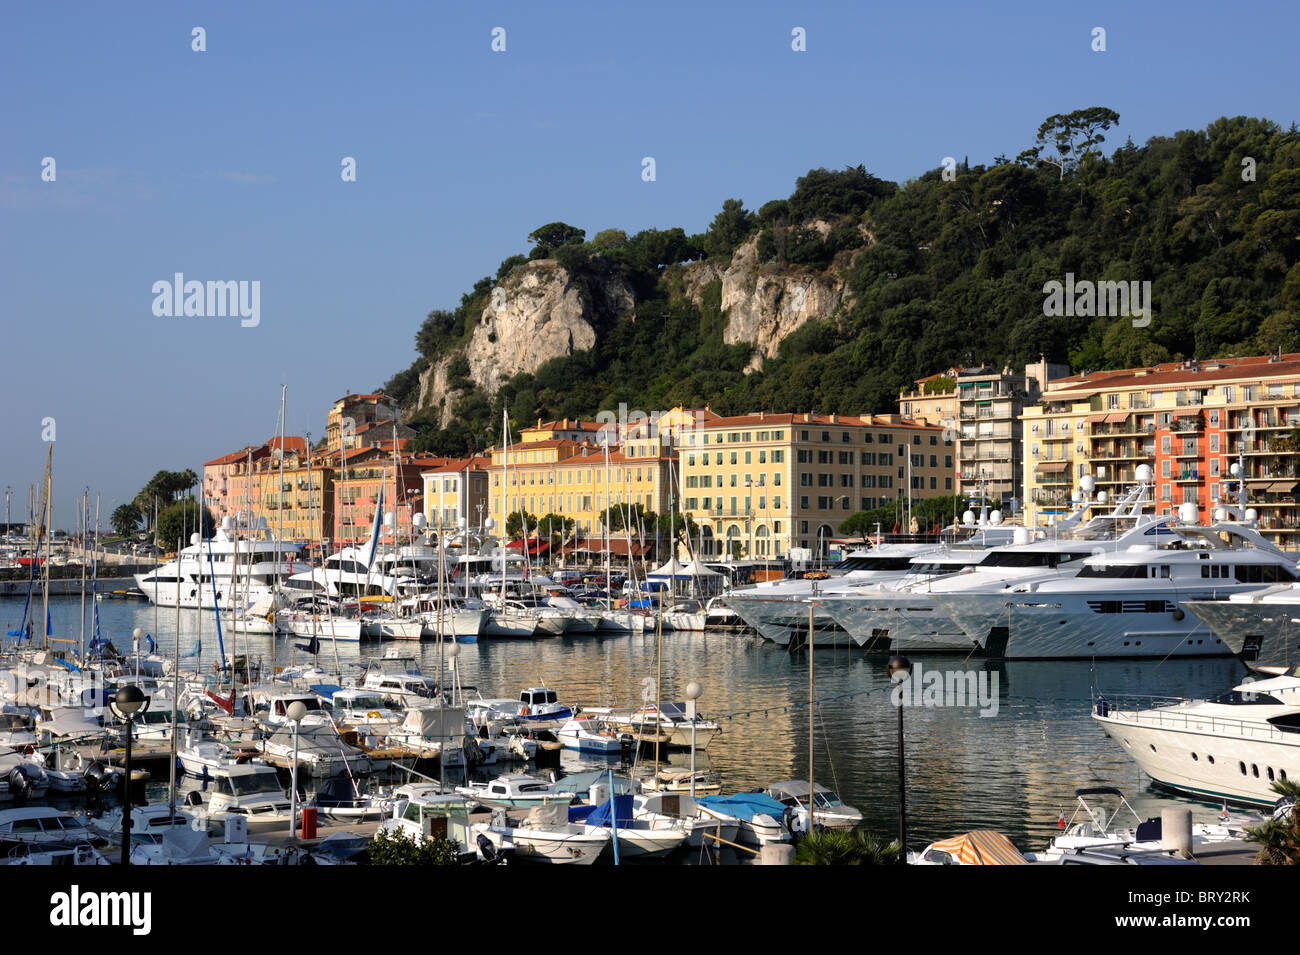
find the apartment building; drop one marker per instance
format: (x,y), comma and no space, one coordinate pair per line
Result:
(457,491)
(362,421)
(983,406)
(577,479)
(1190,421)
(758,485)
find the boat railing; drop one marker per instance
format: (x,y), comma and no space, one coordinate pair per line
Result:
(1158,711)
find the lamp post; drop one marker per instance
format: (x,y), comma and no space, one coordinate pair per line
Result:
(296,711)
(693,691)
(126,702)
(899,669)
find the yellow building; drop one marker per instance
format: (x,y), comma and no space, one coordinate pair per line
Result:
(762,484)
(456,491)
(1189,421)
(568,478)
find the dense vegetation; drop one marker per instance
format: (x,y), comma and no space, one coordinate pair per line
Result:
(945,269)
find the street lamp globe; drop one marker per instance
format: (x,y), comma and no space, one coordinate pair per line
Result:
(898,669)
(127,701)
(296,711)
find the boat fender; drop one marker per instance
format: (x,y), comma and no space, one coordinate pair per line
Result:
(523,710)
(1178,613)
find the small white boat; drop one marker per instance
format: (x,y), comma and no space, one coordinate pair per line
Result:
(588,736)
(252,792)
(148,823)
(829,811)
(758,817)
(682,810)
(1102,816)
(515,792)
(212,757)
(637,836)
(546,836)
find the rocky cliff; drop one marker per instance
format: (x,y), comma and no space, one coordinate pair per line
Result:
(539,312)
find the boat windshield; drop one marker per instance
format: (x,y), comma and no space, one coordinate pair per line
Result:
(255,784)
(826,800)
(365,703)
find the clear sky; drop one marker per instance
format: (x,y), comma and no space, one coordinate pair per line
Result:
(225,165)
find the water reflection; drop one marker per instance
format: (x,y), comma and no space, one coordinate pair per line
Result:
(1014,771)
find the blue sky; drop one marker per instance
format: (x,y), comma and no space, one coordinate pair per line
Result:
(224,165)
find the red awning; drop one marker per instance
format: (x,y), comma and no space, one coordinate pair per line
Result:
(1190,413)
(535,546)
(1117,417)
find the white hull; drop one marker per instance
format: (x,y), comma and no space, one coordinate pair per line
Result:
(1061,626)
(338,629)
(573,846)
(910,622)
(1163,746)
(1268,633)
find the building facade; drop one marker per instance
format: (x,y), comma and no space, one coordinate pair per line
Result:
(457,491)
(758,485)
(1189,421)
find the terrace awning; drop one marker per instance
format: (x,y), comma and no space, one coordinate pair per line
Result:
(1116,417)
(1051,467)
(1095,418)
(1279,486)
(1187,413)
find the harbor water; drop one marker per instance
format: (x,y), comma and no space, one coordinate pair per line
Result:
(1011,767)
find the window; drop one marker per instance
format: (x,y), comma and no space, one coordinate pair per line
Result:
(805,479)
(778,457)
(846,457)
(826,436)
(804,456)
(844,437)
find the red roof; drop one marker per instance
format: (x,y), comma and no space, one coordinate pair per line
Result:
(1209,371)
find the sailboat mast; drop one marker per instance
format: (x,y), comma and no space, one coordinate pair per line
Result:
(176,684)
(49,486)
(82,649)
(505,475)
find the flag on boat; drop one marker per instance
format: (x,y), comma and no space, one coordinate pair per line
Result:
(313,647)
(1060,821)
(374,531)
(228,705)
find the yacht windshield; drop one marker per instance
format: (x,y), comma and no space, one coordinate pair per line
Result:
(255,784)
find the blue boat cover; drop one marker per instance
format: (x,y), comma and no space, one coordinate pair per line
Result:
(326,690)
(744,805)
(601,815)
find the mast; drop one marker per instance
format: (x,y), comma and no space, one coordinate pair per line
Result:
(505,475)
(176,684)
(608,585)
(49,482)
(82,649)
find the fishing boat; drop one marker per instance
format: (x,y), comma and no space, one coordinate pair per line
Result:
(704,782)
(319,750)
(207,758)
(672,718)
(41,827)
(423,811)
(399,680)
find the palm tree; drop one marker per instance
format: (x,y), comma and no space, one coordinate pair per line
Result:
(125,519)
(1279,837)
(838,847)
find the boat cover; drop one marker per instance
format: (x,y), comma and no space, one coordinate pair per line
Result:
(982,847)
(602,813)
(744,805)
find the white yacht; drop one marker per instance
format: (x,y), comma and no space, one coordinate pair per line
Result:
(909,615)
(1262,626)
(1126,602)
(231,564)
(1232,747)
